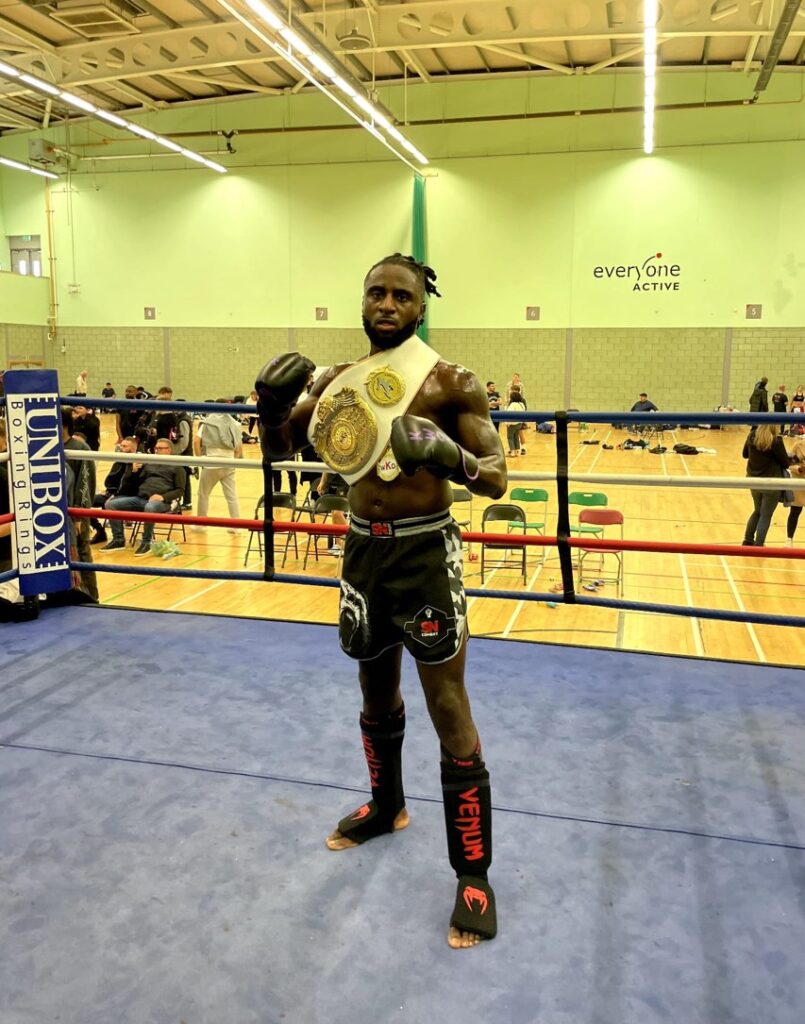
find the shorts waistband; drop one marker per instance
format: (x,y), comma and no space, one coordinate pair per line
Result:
(382,529)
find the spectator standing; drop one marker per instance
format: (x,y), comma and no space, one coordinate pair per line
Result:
(177,427)
(493,397)
(797,470)
(81,383)
(219,436)
(126,420)
(514,430)
(87,424)
(515,382)
(767,458)
(759,399)
(779,400)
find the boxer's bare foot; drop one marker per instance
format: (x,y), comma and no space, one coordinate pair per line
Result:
(336,841)
(462,940)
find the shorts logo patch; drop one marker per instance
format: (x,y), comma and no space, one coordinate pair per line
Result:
(430,626)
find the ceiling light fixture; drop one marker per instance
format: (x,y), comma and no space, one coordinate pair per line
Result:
(300,53)
(650,68)
(27,167)
(39,85)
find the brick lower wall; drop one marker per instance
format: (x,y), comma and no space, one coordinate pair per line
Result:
(605,369)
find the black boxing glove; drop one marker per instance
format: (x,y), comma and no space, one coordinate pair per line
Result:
(418,443)
(279,385)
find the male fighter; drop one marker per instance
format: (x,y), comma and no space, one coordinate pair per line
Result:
(399,425)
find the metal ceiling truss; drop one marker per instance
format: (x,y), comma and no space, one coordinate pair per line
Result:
(165,63)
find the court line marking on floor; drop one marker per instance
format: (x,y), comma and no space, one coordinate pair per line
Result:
(685,465)
(694,622)
(198,594)
(598,453)
(742,607)
(320,784)
(148,582)
(520,604)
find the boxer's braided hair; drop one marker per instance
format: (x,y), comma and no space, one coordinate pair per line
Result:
(426,274)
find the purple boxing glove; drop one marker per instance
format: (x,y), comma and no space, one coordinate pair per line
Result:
(418,443)
(279,385)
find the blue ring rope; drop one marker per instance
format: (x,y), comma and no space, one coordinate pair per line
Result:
(508,595)
(573,415)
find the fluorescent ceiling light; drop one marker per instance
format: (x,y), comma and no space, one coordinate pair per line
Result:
(295,41)
(139,130)
(107,115)
(268,16)
(320,64)
(40,85)
(27,167)
(168,144)
(76,101)
(89,108)
(314,67)
(344,86)
(650,82)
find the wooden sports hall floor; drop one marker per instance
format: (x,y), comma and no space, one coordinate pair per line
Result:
(693,515)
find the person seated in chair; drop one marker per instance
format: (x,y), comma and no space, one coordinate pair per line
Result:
(113,486)
(160,485)
(642,405)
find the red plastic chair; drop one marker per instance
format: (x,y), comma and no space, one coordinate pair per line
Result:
(602,517)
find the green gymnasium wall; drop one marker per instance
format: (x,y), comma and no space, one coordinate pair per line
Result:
(23,300)
(563,213)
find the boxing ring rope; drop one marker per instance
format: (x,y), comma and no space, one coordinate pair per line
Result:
(563,540)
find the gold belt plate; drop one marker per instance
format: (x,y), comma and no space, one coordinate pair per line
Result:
(385,386)
(346,433)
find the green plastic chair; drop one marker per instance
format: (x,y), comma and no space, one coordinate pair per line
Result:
(535,496)
(588,499)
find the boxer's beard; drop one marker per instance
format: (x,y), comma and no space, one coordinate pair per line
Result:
(387,340)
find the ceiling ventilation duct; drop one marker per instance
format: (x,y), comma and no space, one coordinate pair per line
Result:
(99,18)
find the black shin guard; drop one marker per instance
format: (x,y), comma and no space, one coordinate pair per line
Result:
(467,814)
(382,737)
(468,817)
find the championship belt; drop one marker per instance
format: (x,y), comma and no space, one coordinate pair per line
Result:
(346,431)
(351,424)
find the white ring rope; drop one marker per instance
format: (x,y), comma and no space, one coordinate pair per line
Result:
(758,483)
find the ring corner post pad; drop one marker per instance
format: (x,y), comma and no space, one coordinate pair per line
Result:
(37,471)
(563,518)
